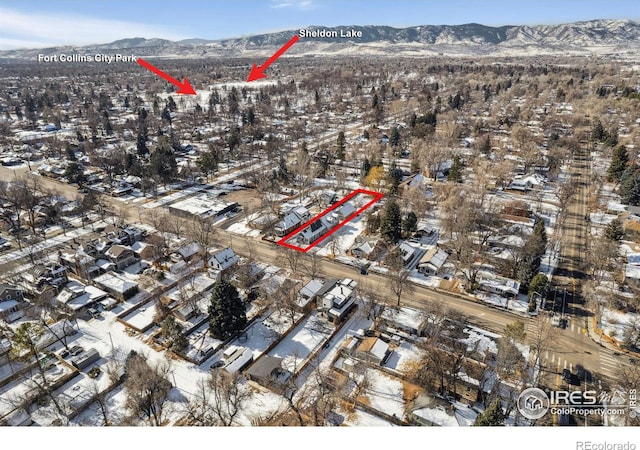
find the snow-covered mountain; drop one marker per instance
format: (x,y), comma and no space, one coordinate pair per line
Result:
(578,38)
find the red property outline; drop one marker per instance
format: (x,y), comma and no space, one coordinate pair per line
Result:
(376,197)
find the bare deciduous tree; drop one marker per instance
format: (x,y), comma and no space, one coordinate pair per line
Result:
(147,388)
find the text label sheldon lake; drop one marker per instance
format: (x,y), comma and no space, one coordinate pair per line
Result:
(99,58)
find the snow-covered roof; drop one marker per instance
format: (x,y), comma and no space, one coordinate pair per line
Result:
(311,288)
(407,251)
(437,416)
(115,283)
(289,221)
(189,250)
(435,258)
(408,317)
(633,258)
(379,349)
(7,305)
(223,259)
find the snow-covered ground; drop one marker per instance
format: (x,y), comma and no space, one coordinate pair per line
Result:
(614,323)
(384,393)
(303,340)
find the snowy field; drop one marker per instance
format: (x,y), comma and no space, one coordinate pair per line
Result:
(614,323)
(141,317)
(384,393)
(306,337)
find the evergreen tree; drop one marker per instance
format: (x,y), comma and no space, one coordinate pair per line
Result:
(493,416)
(394,139)
(538,285)
(227,315)
(598,133)
(394,177)
(173,333)
(455,173)
(143,131)
(375,101)
(409,223)
(163,162)
(391,223)
(614,231)
(619,163)
(340,143)
(629,188)
(74,172)
(364,169)
(540,233)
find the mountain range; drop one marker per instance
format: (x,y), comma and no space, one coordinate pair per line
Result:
(619,37)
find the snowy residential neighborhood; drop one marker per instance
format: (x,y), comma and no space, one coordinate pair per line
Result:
(423,242)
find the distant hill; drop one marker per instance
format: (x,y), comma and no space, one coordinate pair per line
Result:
(578,38)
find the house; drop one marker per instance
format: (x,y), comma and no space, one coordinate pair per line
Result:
(409,321)
(85,359)
(632,268)
(373,350)
(289,223)
(526,183)
(9,292)
(309,293)
(223,260)
(121,256)
(79,263)
(433,412)
(236,358)
(189,252)
(333,218)
(45,280)
(502,286)
(11,299)
(76,296)
(313,232)
(117,286)
(123,235)
(407,252)
(365,248)
(327,198)
(432,261)
(267,371)
(345,210)
(338,301)
(302,213)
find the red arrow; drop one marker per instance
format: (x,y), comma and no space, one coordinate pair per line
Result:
(185,86)
(257,72)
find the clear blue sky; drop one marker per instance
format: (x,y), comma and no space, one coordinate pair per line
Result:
(41,23)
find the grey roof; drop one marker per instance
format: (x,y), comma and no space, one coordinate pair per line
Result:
(265,366)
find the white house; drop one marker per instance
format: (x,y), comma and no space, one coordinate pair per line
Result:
(223,259)
(313,232)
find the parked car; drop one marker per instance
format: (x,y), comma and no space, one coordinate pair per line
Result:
(566,375)
(555,320)
(75,350)
(93,312)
